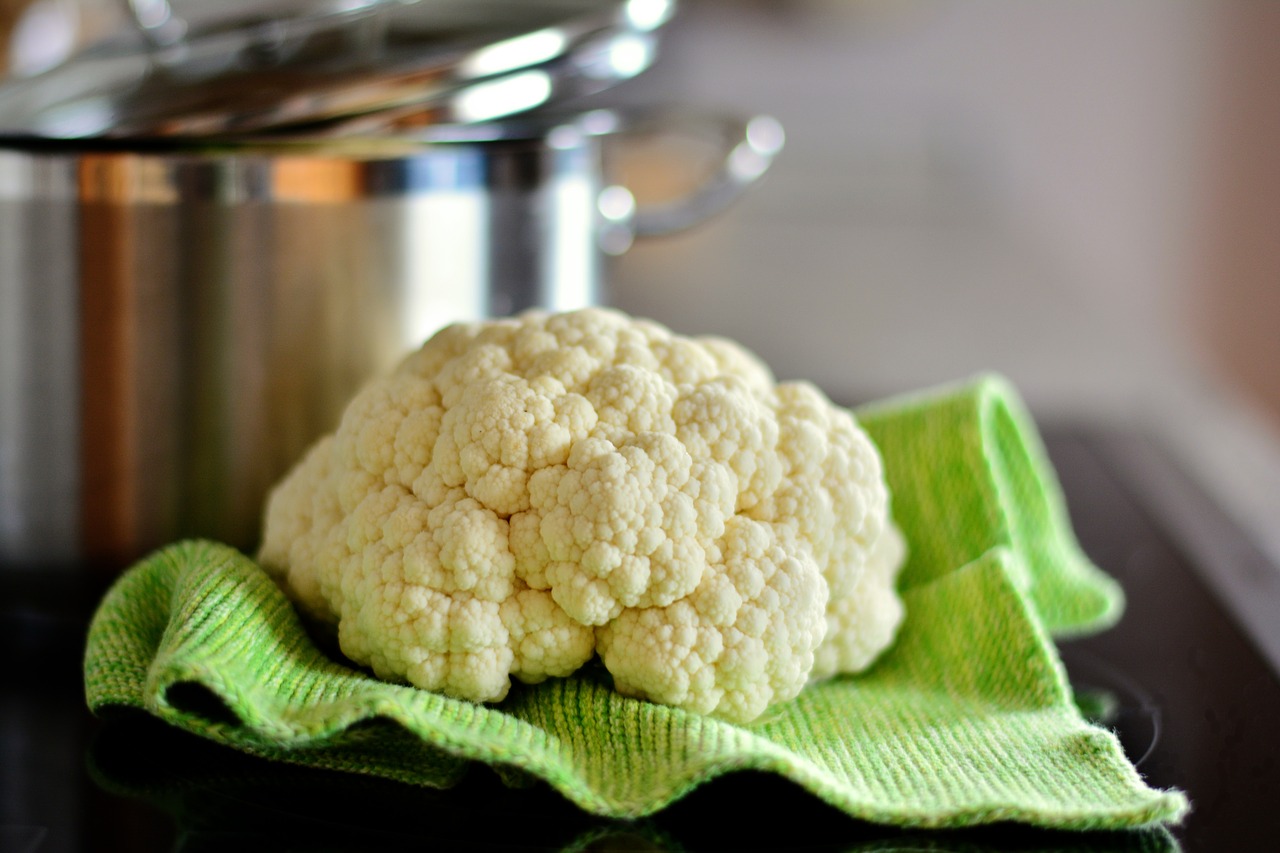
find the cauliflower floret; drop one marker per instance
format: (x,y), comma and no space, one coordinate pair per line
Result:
(522,494)
(618,527)
(744,639)
(863,622)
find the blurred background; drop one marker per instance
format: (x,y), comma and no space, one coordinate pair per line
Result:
(1082,195)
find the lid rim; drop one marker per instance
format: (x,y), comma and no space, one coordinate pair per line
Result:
(164,92)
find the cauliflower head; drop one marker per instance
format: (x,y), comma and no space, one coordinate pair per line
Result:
(520,495)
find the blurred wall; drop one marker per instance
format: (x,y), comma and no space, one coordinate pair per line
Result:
(1238,295)
(972,185)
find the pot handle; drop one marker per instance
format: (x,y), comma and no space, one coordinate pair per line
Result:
(749,145)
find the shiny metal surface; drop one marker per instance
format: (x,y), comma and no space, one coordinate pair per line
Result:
(177,325)
(39,389)
(749,146)
(429,61)
(176,328)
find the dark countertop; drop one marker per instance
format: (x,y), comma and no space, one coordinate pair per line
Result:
(1190,695)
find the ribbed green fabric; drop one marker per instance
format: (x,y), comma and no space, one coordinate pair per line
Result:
(968,719)
(970,474)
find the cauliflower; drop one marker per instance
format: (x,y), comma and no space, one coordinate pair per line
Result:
(521,495)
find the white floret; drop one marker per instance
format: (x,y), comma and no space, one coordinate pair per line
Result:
(744,640)
(862,623)
(520,495)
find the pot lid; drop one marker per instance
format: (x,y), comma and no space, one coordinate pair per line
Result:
(414,61)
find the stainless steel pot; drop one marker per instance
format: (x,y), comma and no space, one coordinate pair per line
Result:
(214,229)
(178,321)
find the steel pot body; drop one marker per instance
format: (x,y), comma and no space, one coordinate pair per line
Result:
(178,325)
(175,327)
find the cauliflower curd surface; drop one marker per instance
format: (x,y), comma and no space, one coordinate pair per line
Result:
(522,494)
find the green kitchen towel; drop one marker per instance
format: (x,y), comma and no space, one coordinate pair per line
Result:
(968,719)
(970,474)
